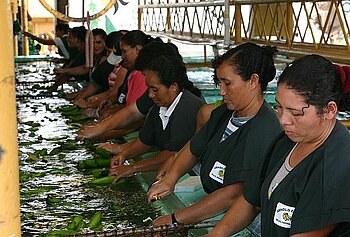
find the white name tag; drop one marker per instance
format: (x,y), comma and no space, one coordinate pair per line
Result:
(121,98)
(283,215)
(218,172)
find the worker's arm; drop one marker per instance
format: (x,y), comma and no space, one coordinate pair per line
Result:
(40,40)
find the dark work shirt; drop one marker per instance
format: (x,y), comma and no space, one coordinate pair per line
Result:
(99,77)
(232,160)
(315,193)
(79,60)
(144,103)
(180,128)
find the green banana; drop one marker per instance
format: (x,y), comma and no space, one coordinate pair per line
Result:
(81,165)
(95,219)
(72,225)
(102,162)
(62,233)
(103,181)
(90,163)
(50,200)
(76,223)
(93,163)
(103,153)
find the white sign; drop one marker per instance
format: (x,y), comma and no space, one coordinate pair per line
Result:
(283,215)
(218,172)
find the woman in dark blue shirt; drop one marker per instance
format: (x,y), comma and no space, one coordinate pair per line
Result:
(300,188)
(232,143)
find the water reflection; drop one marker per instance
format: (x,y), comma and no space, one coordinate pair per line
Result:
(52,189)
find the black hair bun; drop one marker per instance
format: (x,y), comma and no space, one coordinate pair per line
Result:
(270,50)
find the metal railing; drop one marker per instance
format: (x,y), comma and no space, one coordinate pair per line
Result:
(165,230)
(295,27)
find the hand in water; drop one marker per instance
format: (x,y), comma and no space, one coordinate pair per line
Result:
(159,190)
(112,148)
(162,220)
(116,160)
(164,168)
(60,70)
(121,171)
(105,104)
(82,103)
(89,132)
(71,96)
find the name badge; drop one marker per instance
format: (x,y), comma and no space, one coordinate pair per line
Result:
(283,215)
(218,172)
(121,98)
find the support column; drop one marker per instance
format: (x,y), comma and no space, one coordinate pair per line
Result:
(24,20)
(227,22)
(238,23)
(61,6)
(290,23)
(14,11)
(168,18)
(9,185)
(139,15)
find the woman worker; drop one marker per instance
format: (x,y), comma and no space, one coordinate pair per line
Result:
(134,86)
(149,52)
(232,143)
(100,56)
(170,123)
(100,72)
(117,75)
(60,41)
(132,119)
(300,188)
(76,66)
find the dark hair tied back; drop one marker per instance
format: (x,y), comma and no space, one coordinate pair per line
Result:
(63,27)
(153,50)
(170,70)
(270,50)
(314,77)
(79,32)
(136,37)
(248,59)
(100,32)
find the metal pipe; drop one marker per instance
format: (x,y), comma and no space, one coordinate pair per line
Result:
(190,40)
(9,186)
(190,4)
(14,11)
(227,35)
(83,9)
(290,23)
(238,23)
(215,3)
(139,15)
(168,19)
(142,231)
(24,19)
(268,1)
